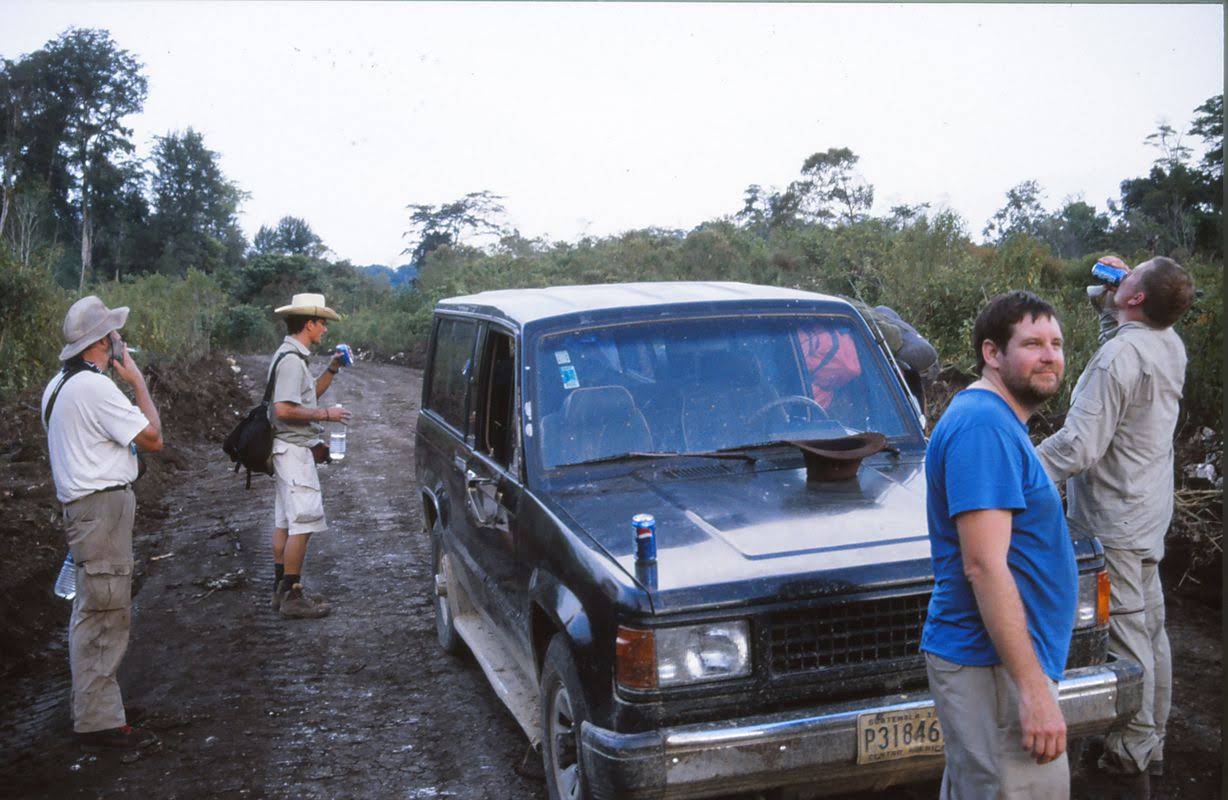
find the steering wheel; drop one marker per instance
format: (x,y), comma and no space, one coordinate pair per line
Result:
(789,399)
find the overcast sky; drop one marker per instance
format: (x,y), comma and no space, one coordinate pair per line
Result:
(592,119)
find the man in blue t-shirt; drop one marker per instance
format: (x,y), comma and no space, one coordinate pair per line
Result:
(999,623)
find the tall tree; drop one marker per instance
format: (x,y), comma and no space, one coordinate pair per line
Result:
(100,84)
(831,190)
(1167,207)
(433,226)
(1022,214)
(195,206)
(291,236)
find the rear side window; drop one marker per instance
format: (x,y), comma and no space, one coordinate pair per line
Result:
(450,370)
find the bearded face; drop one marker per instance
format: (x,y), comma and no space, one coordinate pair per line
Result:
(1033,363)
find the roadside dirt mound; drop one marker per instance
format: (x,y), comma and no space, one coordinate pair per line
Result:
(198,405)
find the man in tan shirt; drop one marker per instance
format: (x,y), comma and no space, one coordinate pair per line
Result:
(298,510)
(1115,452)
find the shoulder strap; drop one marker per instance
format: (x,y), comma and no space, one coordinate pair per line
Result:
(68,373)
(268,388)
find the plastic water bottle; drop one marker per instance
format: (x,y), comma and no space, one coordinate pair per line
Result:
(336,440)
(66,583)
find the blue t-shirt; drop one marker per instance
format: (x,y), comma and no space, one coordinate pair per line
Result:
(979,458)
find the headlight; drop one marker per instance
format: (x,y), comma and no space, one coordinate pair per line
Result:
(1092,608)
(665,657)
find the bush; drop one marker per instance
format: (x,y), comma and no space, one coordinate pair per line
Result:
(32,308)
(171,318)
(245,328)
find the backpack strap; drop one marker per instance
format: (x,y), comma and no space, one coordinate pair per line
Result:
(268,387)
(68,371)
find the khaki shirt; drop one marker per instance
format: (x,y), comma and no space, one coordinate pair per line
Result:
(294,384)
(1115,450)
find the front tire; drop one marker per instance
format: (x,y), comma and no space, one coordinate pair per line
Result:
(443,585)
(563,711)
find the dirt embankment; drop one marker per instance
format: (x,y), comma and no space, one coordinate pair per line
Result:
(197,404)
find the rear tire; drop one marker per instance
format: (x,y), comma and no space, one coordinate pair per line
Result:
(443,585)
(563,711)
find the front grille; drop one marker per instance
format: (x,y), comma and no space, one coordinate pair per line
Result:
(846,634)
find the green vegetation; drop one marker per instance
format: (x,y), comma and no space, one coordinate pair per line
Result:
(81,214)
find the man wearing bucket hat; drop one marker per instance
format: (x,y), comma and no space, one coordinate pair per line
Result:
(297,444)
(92,435)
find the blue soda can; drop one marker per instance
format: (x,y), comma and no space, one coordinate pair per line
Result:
(1109,276)
(645,528)
(347,355)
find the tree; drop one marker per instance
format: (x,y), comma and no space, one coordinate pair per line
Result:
(1022,214)
(100,84)
(291,236)
(1168,207)
(1209,126)
(432,227)
(830,190)
(195,206)
(1076,229)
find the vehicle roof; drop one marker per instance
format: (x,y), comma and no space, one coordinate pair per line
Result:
(529,305)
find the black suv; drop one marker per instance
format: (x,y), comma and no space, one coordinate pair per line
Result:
(774,640)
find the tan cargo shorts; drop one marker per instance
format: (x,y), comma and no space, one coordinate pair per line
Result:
(299,507)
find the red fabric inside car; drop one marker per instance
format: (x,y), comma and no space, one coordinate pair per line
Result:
(831,358)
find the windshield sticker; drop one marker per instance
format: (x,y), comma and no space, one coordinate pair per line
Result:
(568,374)
(562,357)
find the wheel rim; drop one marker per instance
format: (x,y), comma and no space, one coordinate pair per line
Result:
(443,612)
(563,745)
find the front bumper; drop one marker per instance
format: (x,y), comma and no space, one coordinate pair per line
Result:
(811,745)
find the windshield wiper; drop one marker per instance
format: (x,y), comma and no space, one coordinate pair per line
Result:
(634,454)
(739,450)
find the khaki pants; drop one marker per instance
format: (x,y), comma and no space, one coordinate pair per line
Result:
(1136,630)
(99,528)
(979,711)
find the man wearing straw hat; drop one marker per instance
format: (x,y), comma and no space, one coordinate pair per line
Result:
(297,445)
(92,435)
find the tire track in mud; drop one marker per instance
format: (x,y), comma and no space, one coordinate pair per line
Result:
(360,704)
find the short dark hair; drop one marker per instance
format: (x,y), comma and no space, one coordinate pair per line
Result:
(1001,314)
(296,322)
(1168,291)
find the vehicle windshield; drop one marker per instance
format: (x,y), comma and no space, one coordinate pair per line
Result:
(700,385)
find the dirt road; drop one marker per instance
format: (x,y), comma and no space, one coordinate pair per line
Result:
(362,703)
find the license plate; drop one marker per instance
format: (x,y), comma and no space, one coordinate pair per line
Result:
(888,735)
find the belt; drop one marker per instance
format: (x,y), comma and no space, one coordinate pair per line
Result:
(119,487)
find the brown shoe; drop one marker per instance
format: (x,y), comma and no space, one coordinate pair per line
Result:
(295,604)
(124,737)
(278,594)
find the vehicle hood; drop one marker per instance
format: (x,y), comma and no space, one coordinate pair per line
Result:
(730,534)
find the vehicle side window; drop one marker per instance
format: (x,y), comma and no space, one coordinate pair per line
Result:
(496,432)
(450,370)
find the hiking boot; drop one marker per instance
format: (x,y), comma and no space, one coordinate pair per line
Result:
(124,737)
(295,604)
(278,594)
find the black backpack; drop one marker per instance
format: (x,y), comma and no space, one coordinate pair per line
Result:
(250,444)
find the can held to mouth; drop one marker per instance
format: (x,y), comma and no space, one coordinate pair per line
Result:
(347,355)
(1109,276)
(645,527)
